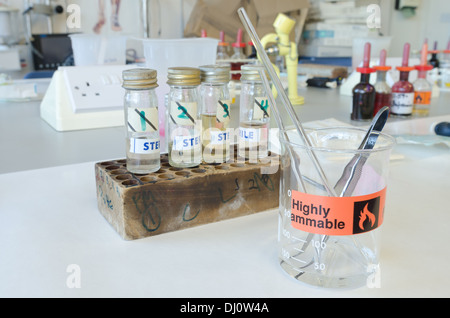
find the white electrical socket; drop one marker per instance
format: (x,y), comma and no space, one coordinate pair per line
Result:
(85,98)
(95,88)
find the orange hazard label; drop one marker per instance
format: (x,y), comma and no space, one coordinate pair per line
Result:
(337,215)
(422,98)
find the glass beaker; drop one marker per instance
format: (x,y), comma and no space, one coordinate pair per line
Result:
(331,241)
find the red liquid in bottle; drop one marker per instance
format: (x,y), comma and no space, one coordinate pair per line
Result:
(383,96)
(236,66)
(403,90)
(402,96)
(381,100)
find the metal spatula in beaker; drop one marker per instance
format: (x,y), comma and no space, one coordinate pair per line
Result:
(352,171)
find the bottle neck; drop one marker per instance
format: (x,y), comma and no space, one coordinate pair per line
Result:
(381,76)
(238,52)
(404,76)
(187,94)
(251,87)
(140,92)
(183,87)
(422,74)
(222,49)
(209,84)
(365,77)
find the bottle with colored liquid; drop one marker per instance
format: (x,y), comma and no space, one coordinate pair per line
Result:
(215,105)
(253,54)
(364,92)
(434,61)
(403,90)
(141,119)
(254,115)
(238,56)
(422,88)
(383,92)
(184,124)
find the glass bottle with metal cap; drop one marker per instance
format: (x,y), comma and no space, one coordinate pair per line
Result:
(141,120)
(215,108)
(254,115)
(184,124)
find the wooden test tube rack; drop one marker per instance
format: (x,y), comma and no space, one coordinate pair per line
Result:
(172,199)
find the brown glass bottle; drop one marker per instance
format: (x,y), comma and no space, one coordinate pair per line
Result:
(364,92)
(363,99)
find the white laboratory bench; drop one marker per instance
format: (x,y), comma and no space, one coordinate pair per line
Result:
(49,221)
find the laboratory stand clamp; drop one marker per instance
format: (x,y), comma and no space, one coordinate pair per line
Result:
(283,26)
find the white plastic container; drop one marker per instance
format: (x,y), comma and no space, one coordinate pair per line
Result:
(160,54)
(9,25)
(93,49)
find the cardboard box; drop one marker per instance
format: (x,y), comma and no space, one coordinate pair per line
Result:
(270,8)
(216,15)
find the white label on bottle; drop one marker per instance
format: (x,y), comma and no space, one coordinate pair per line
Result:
(144,146)
(249,134)
(402,103)
(223,111)
(183,114)
(253,134)
(261,108)
(143,119)
(182,143)
(219,137)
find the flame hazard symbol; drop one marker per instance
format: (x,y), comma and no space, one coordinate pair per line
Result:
(366,214)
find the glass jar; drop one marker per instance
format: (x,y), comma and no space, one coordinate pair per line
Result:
(184,123)
(254,115)
(141,119)
(215,109)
